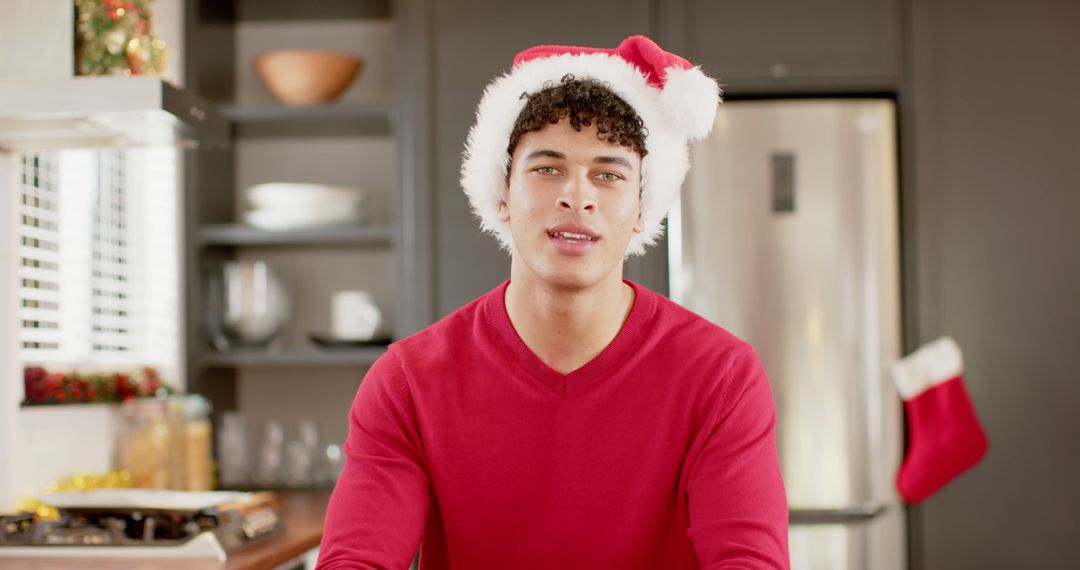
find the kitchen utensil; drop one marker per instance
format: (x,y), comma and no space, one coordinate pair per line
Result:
(157,499)
(268,472)
(289,195)
(247,305)
(286,219)
(192,438)
(145,447)
(303,457)
(330,341)
(335,462)
(233,450)
(306,77)
(354,315)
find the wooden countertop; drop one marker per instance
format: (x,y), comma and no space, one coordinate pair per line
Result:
(303,513)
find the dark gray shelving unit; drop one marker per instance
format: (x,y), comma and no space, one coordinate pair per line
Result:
(360,357)
(220,38)
(289,10)
(279,120)
(243,235)
(256,113)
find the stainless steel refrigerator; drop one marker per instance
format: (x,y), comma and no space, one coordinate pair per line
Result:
(786,234)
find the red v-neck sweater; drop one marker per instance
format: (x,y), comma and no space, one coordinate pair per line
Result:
(660,453)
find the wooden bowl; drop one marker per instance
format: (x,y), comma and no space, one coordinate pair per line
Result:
(306,77)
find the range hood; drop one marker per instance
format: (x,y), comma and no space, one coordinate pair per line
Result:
(103,111)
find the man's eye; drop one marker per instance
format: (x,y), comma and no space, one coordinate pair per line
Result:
(547,170)
(609,176)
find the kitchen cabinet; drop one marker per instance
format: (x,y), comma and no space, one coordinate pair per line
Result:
(787,46)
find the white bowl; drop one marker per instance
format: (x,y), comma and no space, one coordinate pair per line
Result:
(295,218)
(289,196)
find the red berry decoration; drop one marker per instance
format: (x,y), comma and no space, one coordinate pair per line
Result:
(36,383)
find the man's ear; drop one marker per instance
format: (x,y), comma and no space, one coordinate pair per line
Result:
(504,208)
(639,225)
(504,196)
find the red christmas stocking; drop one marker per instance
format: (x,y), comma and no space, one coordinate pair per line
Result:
(944,435)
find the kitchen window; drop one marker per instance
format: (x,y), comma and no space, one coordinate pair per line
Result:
(98,259)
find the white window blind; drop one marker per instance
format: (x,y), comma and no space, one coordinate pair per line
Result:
(98,259)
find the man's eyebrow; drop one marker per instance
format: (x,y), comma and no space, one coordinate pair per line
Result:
(545,153)
(613,160)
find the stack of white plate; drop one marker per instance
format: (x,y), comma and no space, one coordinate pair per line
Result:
(283,206)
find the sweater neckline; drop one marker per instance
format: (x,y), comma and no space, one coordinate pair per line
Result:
(616,352)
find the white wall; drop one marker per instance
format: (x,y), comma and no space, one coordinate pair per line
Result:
(35,42)
(10,376)
(36,39)
(50,443)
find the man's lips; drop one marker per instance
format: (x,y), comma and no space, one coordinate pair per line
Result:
(573,232)
(573,239)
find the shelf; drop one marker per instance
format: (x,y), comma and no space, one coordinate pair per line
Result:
(239,234)
(290,10)
(362,356)
(256,120)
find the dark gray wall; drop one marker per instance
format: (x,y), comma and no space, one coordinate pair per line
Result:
(475,40)
(992,220)
(794,46)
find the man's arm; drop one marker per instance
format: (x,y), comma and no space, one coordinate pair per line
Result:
(376,514)
(738,506)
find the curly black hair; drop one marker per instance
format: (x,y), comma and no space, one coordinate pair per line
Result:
(584,101)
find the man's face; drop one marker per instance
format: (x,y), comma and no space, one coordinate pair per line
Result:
(573,204)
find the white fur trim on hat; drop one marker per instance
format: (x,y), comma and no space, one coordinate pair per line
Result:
(671,117)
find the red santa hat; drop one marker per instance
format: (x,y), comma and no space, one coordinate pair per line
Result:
(675,99)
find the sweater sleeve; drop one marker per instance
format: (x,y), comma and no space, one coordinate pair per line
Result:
(376,513)
(737,502)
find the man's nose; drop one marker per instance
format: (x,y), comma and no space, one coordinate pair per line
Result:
(577,195)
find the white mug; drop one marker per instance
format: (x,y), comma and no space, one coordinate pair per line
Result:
(355,316)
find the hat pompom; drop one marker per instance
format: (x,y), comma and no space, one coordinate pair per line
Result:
(690,100)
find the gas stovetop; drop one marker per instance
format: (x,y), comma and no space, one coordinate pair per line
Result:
(135,531)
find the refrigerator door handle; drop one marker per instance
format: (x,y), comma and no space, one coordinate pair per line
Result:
(850,514)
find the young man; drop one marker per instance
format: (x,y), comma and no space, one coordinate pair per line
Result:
(569,418)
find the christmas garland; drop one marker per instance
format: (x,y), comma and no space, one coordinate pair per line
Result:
(48,388)
(115,37)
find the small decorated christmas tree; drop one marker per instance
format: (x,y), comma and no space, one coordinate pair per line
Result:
(115,37)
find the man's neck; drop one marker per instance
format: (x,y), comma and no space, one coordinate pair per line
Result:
(566,327)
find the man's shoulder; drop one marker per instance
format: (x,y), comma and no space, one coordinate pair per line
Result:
(444,337)
(681,329)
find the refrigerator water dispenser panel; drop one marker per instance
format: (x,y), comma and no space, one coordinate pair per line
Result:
(783,181)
